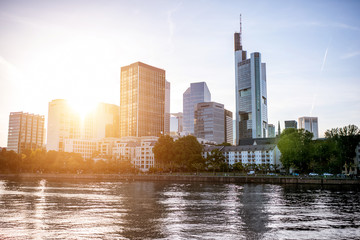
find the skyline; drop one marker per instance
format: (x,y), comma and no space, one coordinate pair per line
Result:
(74,51)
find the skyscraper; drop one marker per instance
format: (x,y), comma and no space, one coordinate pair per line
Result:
(167,108)
(309,124)
(229,137)
(251,98)
(196,93)
(290,124)
(142,100)
(26,131)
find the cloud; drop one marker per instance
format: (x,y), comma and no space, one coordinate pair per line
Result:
(350,55)
(171,23)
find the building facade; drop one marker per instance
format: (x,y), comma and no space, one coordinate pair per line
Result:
(271,130)
(176,123)
(229,137)
(26,131)
(251,94)
(248,154)
(142,100)
(196,93)
(167,108)
(310,124)
(290,124)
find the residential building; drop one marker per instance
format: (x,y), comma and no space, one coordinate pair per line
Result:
(290,124)
(310,124)
(196,93)
(26,131)
(86,147)
(251,94)
(142,100)
(167,108)
(249,154)
(271,130)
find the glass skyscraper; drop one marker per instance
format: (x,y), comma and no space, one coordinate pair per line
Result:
(251,97)
(196,93)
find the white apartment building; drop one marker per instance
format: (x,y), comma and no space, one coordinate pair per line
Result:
(86,147)
(248,154)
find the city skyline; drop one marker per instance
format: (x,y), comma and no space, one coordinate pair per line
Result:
(74,51)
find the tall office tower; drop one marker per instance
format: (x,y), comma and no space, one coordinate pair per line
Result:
(142,100)
(167,108)
(290,124)
(271,130)
(210,121)
(106,120)
(26,131)
(251,98)
(228,118)
(63,123)
(196,93)
(309,124)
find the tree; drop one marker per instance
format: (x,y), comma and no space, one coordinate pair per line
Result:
(187,152)
(215,159)
(345,139)
(296,149)
(164,152)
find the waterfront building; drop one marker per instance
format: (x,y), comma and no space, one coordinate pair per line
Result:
(309,124)
(196,93)
(26,131)
(271,130)
(85,147)
(251,94)
(167,108)
(248,154)
(290,124)
(142,100)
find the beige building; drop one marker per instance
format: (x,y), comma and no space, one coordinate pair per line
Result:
(26,131)
(65,123)
(142,100)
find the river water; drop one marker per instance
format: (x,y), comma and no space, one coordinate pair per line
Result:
(49,209)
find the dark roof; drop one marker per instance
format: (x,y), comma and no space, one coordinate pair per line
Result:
(263,147)
(259,141)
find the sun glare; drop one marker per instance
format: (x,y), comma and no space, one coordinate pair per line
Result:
(82,107)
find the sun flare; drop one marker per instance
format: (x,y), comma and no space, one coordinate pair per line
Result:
(83,107)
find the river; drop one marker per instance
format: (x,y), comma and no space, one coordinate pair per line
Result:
(68,209)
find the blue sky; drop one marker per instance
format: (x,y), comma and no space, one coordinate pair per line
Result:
(74,50)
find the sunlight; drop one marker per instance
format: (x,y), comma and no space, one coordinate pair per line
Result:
(83,107)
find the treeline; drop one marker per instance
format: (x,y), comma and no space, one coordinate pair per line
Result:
(41,161)
(333,154)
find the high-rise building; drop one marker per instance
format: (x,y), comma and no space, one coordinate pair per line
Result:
(142,100)
(196,93)
(309,124)
(290,124)
(251,97)
(176,123)
(63,123)
(229,138)
(213,122)
(167,108)
(26,131)
(271,130)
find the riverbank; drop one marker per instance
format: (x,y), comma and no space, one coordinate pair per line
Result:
(190,178)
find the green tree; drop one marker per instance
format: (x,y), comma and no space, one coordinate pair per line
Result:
(346,140)
(215,159)
(296,150)
(164,152)
(187,152)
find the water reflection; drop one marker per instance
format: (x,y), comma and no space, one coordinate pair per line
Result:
(48,209)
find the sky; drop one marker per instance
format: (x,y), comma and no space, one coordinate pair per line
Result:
(74,50)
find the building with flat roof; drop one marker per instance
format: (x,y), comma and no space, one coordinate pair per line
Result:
(290,124)
(310,124)
(196,93)
(251,94)
(142,100)
(271,130)
(167,108)
(26,131)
